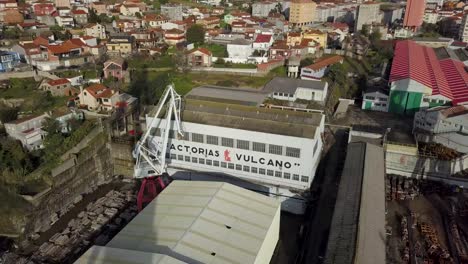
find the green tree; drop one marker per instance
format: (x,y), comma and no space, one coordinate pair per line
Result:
(8,114)
(365,30)
(138,15)
(196,34)
(93,17)
(51,126)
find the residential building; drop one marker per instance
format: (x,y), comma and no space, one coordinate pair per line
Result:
(115,68)
(99,7)
(65,21)
(80,16)
(419,79)
(431,16)
(317,36)
(200,57)
(96,30)
(293,38)
(463,31)
(63,115)
(97,97)
(43,8)
(391,14)
(209,22)
(336,12)
(262,42)
(129,9)
(414,13)
(263,9)
(375,98)
(289,89)
(172,11)
(154,20)
(240,49)
(180,25)
(174,36)
(59,87)
(11,17)
(28,130)
(358,45)
(317,70)
(9,60)
(120,45)
(302,12)
(368,13)
(62,3)
(127,25)
(280,50)
(28,51)
(445,125)
(439,3)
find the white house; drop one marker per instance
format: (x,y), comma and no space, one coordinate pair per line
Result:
(375,99)
(239,49)
(318,69)
(96,30)
(28,131)
(443,119)
(289,89)
(65,21)
(263,42)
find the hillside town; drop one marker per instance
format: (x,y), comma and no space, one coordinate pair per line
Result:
(233,131)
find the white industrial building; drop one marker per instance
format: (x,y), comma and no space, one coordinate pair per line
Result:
(375,99)
(197,222)
(444,125)
(289,89)
(230,138)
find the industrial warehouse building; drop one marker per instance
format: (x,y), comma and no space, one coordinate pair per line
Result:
(197,222)
(357,231)
(228,137)
(421,78)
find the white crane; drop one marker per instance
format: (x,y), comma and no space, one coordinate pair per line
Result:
(150,152)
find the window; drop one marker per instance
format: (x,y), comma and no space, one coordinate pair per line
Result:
(171,134)
(370,97)
(180,157)
(186,136)
(212,140)
(383,99)
(295,177)
(223,164)
(194,160)
(243,144)
(173,156)
(441,102)
(187,158)
(197,138)
(238,167)
(315,148)
(216,163)
(287,175)
(278,174)
(304,179)
(253,169)
(201,161)
(260,147)
(230,166)
(209,162)
(246,168)
(270,172)
(275,149)
(293,152)
(261,171)
(227,142)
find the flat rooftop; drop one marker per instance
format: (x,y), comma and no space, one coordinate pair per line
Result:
(273,121)
(221,94)
(204,222)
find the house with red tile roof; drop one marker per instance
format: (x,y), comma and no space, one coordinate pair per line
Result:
(262,42)
(59,87)
(418,79)
(96,97)
(200,57)
(317,70)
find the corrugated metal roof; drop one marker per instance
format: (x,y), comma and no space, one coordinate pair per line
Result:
(108,255)
(202,222)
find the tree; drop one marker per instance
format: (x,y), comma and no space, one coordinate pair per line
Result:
(365,30)
(93,17)
(8,114)
(138,15)
(196,34)
(51,126)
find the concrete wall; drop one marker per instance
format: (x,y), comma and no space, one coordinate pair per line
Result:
(80,173)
